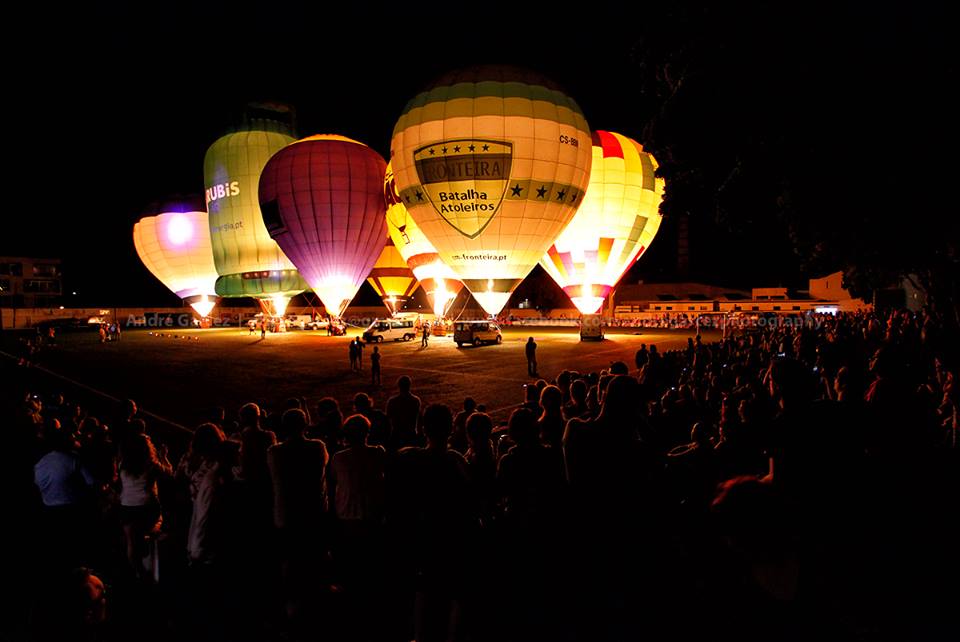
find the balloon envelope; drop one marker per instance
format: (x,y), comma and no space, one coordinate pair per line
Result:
(492,163)
(322,201)
(249,262)
(391,278)
(614,225)
(437,279)
(175,246)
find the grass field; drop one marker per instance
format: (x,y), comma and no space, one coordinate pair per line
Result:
(182,374)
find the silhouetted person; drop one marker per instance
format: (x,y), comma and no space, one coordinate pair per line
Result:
(354,355)
(458,440)
(530,475)
(379,422)
(641,357)
(328,423)
(481,463)
(425,335)
(298,468)
(140,468)
(357,487)
(531,352)
(431,502)
(550,423)
(66,490)
(403,410)
(577,406)
(375,366)
(360,347)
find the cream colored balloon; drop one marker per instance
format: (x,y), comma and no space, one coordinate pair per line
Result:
(175,247)
(491,163)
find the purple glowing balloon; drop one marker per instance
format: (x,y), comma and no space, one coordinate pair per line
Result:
(322,202)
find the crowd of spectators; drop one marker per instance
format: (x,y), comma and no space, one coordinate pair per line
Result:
(784,483)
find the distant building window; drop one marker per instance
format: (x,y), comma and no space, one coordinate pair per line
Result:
(776,307)
(756,308)
(690,307)
(669,307)
(796,307)
(737,307)
(5,287)
(11,269)
(37,286)
(46,269)
(656,307)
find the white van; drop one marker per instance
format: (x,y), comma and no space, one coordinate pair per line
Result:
(591,327)
(390,330)
(476,332)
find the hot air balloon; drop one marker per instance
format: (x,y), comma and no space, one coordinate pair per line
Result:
(436,278)
(322,201)
(174,245)
(492,163)
(614,225)
(249,262)
(392,279)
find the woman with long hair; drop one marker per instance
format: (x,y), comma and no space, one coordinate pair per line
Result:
(140,466)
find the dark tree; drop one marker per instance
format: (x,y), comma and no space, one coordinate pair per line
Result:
(807,140)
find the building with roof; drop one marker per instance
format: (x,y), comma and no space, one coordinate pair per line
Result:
(643,300)
(29,282)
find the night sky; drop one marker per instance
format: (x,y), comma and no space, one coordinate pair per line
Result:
(113,106)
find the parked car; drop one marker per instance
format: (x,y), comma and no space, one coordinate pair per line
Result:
(476,332)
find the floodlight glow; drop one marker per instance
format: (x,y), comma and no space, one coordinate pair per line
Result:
(336,292)
(587,302)
(441,298)
(280,304)
(204,306)
(179,229)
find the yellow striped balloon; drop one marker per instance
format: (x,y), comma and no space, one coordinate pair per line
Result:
(391,278)
(491,163)
(438,281)
(614,225)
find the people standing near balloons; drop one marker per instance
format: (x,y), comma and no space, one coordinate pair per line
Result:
(425,335)
(353,355)
(359,345)
(531,351)
(375,366)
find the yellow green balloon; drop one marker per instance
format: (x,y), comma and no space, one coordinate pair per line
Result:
(491,163)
